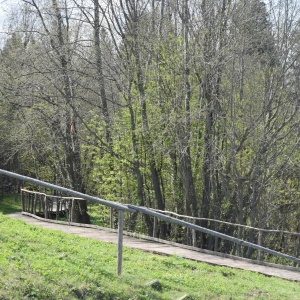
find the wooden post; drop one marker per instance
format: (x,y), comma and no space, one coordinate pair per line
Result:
(238,249)
(57,208)
(28,203)
(22,200)
(154,227)
(25,201)
(260,242)
(46,207)
(34,204)
(297,252)
(111,218)
(40,203)
(31,203)
(51,209)
(69,206)
(120,241)
(71,209)
(238,246)
(43,201)
(187,235)
(216,226)
(194,234)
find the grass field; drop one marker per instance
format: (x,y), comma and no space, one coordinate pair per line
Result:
(37,263)
(10,204)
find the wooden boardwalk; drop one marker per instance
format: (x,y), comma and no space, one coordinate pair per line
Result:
(110,236)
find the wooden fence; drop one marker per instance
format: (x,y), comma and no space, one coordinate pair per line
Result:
(260,232)
(47,206)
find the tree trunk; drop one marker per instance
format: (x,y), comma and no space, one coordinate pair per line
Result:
(72,146)
(185,157)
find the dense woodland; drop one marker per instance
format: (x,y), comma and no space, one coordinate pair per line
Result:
(189,106)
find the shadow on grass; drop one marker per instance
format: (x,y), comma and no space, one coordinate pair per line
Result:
(10,204)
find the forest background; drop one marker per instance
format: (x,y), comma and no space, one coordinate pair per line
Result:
(189,106)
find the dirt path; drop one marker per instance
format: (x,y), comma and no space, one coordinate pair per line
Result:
(110,236)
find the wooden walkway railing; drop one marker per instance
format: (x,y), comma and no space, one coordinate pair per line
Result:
(260,232)
(47,206)
(32,205)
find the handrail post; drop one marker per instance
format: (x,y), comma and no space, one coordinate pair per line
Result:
(120,241)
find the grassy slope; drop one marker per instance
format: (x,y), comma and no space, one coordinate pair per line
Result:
(10,204)
(41,264)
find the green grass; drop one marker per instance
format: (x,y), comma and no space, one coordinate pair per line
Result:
(10,204)
(41,264)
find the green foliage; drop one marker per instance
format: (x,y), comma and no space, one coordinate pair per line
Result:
(111,176)
(42,264)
